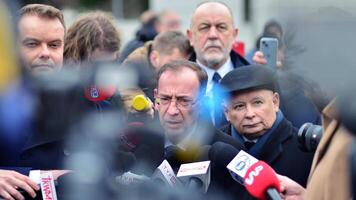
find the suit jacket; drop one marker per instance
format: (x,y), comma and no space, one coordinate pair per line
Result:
(206,134)
(237,61)
(329,177)
(282,153)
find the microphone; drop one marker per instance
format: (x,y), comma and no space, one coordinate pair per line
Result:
(130,178)
(164,174)
(195,175)
(97,94)
(261,182)
(141,103)
(226,156)
(146,144)
(46,182)
(240,164)
(48,188)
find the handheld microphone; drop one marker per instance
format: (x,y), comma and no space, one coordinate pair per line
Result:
(46,182)
(227,156)
(97,94)
(195,175)
(146,144)
(130,178)
(140,103)
(240,164)
(261,182)
(48,188)
(164,174)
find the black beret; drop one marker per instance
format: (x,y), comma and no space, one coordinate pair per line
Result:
(250,77)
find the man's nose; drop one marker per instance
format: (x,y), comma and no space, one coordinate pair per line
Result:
(173,108)
(45,52)
(250,112)
(213,33)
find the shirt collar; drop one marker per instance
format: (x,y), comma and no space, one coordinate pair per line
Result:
(222,71)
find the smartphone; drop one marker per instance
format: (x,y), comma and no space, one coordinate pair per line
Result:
(269,48)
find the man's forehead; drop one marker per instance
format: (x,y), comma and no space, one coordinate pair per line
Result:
(212,10)
(32,26)
(29,20)
(183,81)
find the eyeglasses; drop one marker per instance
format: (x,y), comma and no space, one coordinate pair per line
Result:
(181,102)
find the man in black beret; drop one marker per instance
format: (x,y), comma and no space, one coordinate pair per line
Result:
(251,105)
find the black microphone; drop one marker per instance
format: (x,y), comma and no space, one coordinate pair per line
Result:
(222,154)
(146,144)
(177,156)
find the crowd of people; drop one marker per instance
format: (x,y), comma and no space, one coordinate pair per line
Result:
(166,95)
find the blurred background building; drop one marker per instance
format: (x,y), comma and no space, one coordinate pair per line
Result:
(250,15)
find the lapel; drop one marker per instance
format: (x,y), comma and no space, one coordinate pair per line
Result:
(37,139)
(273,147)
(330,125)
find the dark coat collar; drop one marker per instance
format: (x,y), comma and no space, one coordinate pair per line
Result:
(273,147)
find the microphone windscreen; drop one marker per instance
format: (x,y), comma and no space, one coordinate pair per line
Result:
(259,178)
(221,153)
(146,144)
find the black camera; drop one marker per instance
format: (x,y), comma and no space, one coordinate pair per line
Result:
(309,136)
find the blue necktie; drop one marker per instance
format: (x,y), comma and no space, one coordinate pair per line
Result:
(216,99)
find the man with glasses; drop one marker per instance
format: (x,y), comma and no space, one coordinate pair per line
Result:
(179,99)
(180,88)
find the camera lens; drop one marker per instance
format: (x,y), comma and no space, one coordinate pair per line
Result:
(309,136)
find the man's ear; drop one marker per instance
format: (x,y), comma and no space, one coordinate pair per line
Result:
(235,33)
(276,101)
(226,111)
(154,58)
(190,37)
(156,103)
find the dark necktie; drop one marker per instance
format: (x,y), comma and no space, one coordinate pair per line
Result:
(216,99)
(248,145)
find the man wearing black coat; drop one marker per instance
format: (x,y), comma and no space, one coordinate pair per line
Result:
(212,33)
(179,98)
(252,108)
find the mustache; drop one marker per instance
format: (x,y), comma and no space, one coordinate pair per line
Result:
(48,63)
(212,43)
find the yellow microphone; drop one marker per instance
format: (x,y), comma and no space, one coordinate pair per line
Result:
(141,103)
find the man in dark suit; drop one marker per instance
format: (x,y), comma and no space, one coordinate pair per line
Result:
(179,98)
(41,36)
(252,108)
(212,32)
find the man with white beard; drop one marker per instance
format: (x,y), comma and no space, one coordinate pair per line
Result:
(212,34)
